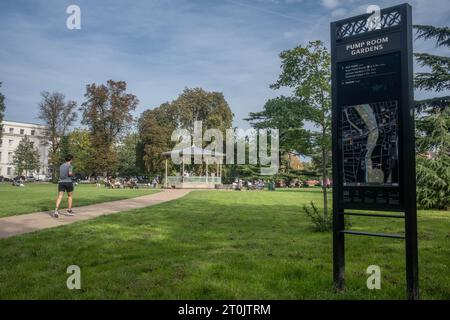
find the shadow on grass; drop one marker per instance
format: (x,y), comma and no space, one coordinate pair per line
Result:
(205,246)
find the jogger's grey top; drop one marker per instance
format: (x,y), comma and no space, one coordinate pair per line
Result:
(64,170)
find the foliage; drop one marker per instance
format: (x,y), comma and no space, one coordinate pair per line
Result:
(197,104)
(433,160)
(2,111)
(433,124)
(26,157)
(321,223)
(58,115)
(64,148)
(287,114)
(306,70)
(156,125)
(79,145)
(155,128)
(439,78)
(441,34)
(127,155)
(107,114)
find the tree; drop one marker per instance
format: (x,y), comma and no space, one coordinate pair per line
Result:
(58,115)
(439,78)
(127,155)
(107,113)
(306,70)
(155,128)
(79,145)
(2,111)
(433,123)
(197,104)
(26,157)
(433,160)
(156,125)
(287,114)
(64,148)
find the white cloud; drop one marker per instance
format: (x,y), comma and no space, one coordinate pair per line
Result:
(338,13)
(288,34)
(330,4)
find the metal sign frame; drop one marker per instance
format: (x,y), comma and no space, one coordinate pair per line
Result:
(394,22)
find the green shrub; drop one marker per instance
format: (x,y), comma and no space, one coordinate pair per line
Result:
(319,221)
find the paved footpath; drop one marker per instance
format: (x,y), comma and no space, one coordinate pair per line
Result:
(25,223)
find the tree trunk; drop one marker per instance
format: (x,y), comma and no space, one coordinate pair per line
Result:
(54,162)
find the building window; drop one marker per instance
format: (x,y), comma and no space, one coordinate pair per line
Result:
(0,157)
(11,130)
(10,142)
(10,157)
(22,131)
(9,172)
(32,132)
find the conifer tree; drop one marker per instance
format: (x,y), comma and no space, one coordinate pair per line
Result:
(433,123)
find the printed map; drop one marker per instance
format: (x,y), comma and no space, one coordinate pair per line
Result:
(370,144)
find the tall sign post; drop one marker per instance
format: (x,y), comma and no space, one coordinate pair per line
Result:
(373,130)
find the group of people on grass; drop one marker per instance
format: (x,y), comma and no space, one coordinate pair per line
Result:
(123,183)
(240,184)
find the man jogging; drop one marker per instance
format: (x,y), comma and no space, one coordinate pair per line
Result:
(65,184)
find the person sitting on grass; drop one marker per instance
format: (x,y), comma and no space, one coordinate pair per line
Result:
(65,184)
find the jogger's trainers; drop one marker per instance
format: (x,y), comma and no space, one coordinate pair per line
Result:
(70,213)
(56,213)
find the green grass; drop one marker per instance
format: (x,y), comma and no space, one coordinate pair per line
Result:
(41,197)
(219,245)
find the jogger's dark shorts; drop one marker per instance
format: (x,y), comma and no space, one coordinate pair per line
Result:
(65,187)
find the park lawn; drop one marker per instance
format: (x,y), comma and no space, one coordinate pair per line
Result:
(219,245)
(36,197)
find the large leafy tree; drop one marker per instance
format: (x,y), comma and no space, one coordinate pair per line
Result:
(306,70)
(155,128)
(26,157)
(197,104)
(2,111)
(433,123)
(58,115)
(156,125)
(107,112)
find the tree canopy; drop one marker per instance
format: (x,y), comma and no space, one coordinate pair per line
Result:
(58,115)
(107,112)
(433,123)
(26,157)
(306,70)
(156,125)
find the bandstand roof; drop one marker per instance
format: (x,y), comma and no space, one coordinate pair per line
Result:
(193,151)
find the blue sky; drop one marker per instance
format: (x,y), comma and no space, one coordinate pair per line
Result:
(160,47)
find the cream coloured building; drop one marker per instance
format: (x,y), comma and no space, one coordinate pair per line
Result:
(13,133)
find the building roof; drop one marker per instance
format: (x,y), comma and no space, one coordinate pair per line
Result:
(19,123)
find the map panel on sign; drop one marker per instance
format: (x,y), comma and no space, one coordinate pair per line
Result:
(370,144)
